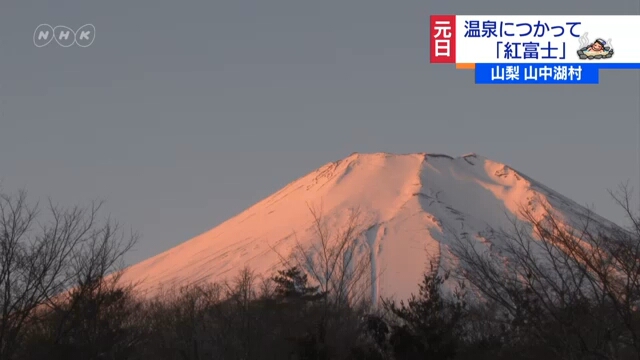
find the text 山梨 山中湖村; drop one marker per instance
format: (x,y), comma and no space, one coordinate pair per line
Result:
(538,73)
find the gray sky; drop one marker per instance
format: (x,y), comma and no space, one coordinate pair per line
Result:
(184,113)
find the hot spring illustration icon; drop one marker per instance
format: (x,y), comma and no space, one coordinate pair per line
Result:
(596,50)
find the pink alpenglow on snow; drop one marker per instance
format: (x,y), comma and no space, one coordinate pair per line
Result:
(409,205)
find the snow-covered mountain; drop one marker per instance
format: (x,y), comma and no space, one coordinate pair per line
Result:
(408,204)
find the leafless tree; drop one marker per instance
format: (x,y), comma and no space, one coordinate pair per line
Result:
(185,323)
(41,257)
(573,286)
(332,260)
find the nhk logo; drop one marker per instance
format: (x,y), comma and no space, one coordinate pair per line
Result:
(64,36)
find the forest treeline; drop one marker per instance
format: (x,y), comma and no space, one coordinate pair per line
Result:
(544,291)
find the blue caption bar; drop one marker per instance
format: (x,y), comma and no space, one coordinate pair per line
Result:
(552,73)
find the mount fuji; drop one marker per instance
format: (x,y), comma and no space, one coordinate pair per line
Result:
(411,208)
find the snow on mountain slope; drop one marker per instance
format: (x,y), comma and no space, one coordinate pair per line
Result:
(408,204)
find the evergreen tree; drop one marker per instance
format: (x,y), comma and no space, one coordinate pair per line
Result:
(292,284)
(429,326)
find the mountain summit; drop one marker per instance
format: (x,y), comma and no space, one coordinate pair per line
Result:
(411,207)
